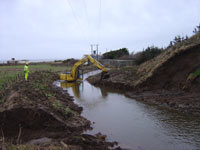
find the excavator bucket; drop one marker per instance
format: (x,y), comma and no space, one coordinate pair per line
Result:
(105,75)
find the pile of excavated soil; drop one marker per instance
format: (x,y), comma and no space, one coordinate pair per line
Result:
(36,115)
(163,80)
(185,102)
(170,70)
(120,78)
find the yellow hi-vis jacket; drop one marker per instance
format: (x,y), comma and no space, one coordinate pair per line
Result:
(26,69)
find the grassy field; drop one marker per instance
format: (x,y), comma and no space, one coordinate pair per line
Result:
(10,74)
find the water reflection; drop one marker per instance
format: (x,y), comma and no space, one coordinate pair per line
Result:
(133,124)
(78,88)
(75,86)
(104,93)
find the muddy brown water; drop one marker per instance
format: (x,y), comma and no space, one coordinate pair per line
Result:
(135,125)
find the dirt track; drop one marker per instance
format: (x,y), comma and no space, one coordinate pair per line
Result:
(35,114)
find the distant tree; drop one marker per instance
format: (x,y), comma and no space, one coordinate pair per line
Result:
(175,40)
(179,39)
(186,37)
(147,54)
(196,29)
(115,54)
(170,44)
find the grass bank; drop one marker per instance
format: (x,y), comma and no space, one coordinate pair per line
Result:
(12,73)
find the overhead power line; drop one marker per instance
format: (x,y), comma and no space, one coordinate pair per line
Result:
(86,13)
(77,19)
(73,12)
(99,27)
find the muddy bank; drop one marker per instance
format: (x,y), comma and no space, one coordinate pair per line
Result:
(35,114)
(182,101)
(186,103)
(121,79)
(172,79)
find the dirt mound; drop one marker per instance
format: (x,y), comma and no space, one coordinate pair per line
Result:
(171,69)
(70,61)
(172,79)
(38,112)
(120,78)
(36,105)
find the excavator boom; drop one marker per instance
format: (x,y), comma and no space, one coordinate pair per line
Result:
(74,75)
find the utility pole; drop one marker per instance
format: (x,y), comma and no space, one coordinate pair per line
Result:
(91,49)
(96,51)
(97,46)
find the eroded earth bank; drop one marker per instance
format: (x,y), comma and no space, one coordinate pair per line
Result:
(37,115)
(170,80)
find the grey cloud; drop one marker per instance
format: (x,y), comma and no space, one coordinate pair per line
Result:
(48,28)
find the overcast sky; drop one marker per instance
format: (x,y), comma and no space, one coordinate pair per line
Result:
(58,29)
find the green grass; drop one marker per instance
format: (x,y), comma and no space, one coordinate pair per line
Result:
(8,77)
(194,75)
(66,110)
(35,67)
(56,104)
(10,74)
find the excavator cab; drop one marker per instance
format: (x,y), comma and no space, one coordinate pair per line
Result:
(67,76)
(80,73)
(77,74)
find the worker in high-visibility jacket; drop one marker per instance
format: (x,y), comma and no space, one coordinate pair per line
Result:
(26,71)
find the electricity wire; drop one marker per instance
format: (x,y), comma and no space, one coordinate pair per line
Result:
(86,13)
(87,18)
(73,12)
(99,26)
(77,19)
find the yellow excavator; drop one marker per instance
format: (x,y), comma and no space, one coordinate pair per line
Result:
(75,74)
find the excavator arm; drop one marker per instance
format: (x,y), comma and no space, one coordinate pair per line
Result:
(73,76)
(74,73)
(96,63)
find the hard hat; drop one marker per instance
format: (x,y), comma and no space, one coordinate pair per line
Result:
(27,63)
